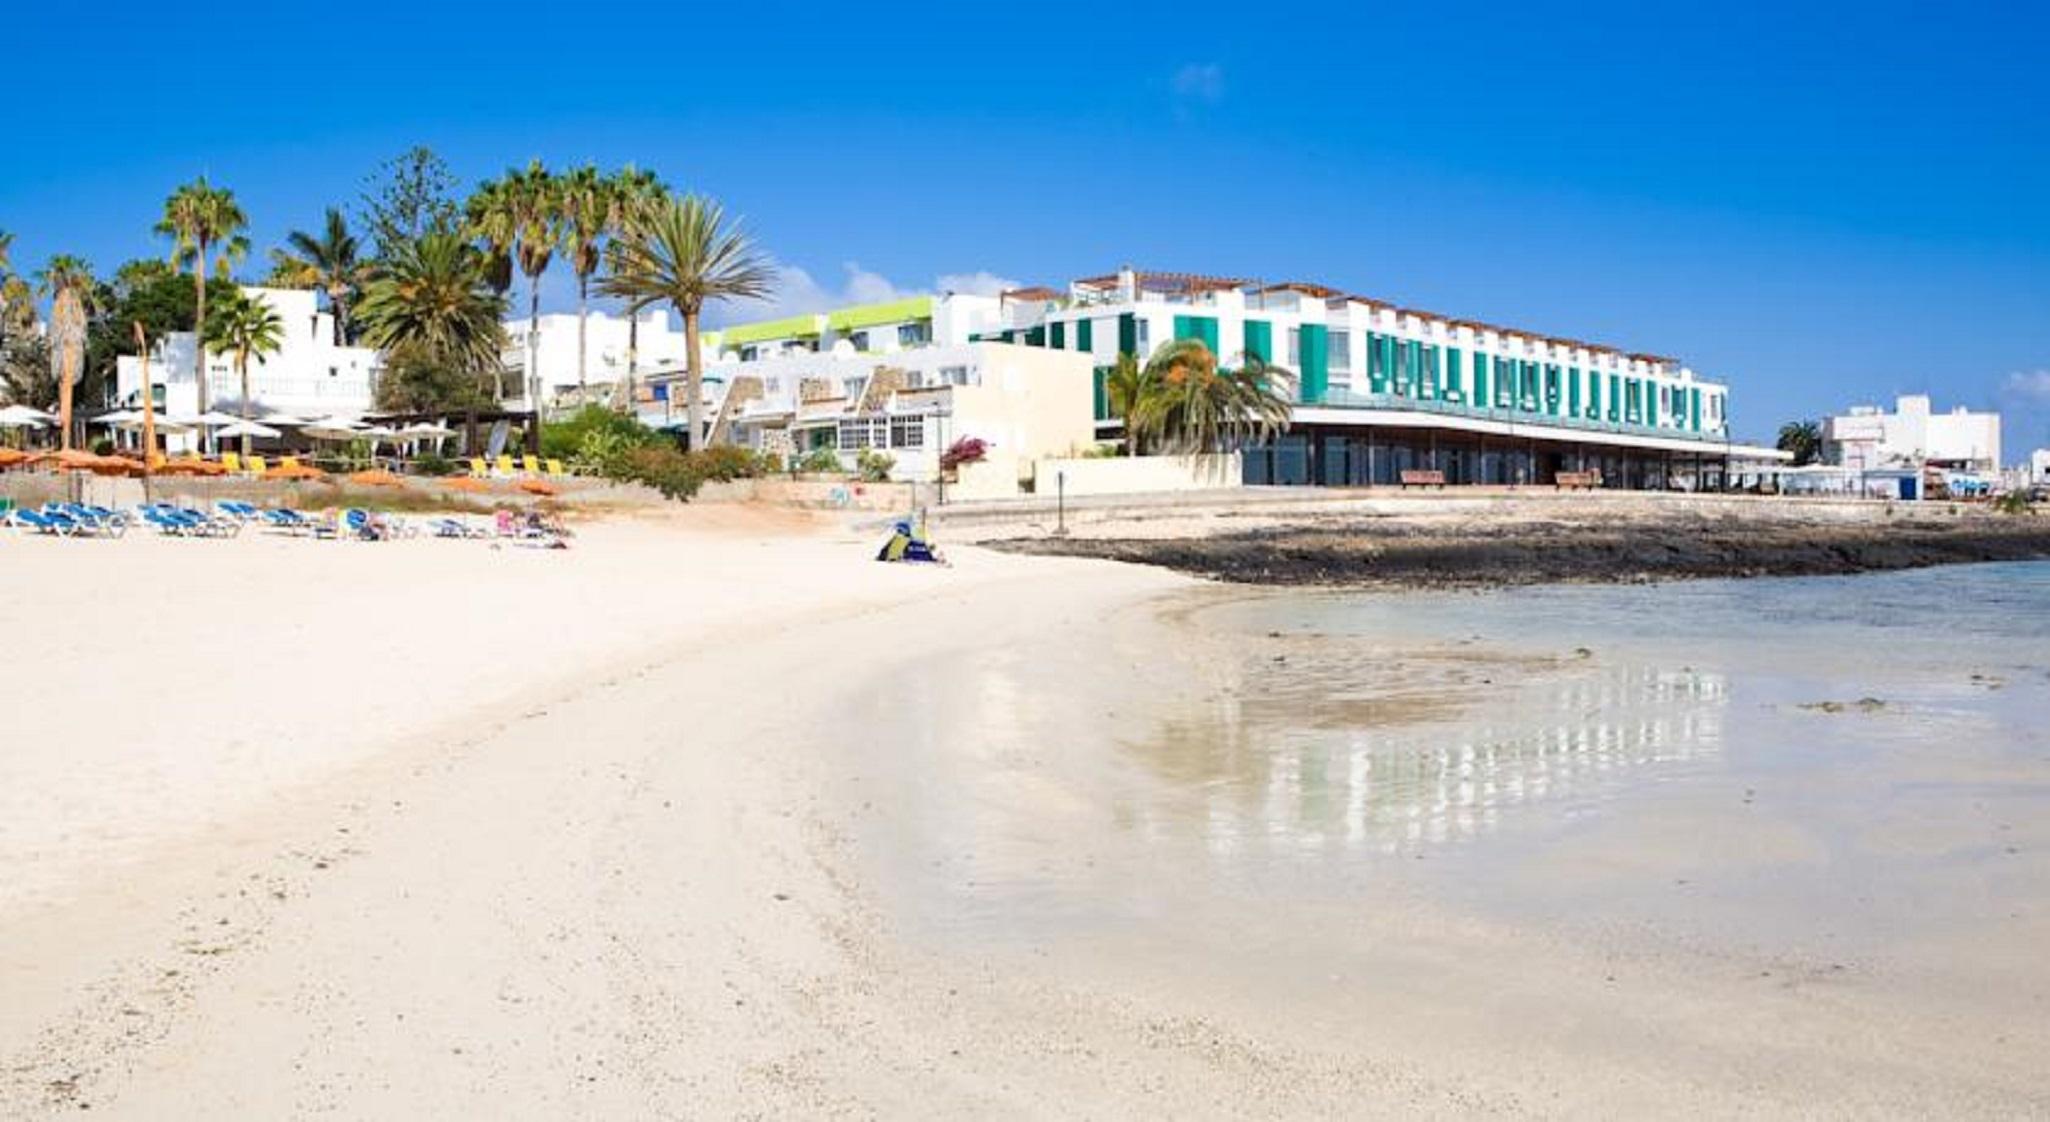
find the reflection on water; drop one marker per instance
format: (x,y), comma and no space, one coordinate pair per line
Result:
(1258,777)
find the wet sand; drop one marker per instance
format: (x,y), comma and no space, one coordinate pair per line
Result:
(1030,837)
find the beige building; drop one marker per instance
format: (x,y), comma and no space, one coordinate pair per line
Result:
(1024,403)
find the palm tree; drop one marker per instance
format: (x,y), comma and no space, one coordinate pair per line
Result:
(588,213)
(432,297)
(632,192)
(1803,439)
(328,261)
(1128,384)
(1195,405)
(6,252)
(683,251)
(522,211)
(243,327)
(10,285)
(198,217)
(68,281)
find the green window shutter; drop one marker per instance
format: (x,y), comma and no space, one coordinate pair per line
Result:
(1480,380)
(1035,336)
(1085,338)
(1259,340)
(1615,398)
(1377,368)
(1059,335)
(1197,327)
(1128,335)
(1434,373)
(1453,374)
(1694,409)
(1315,374)
(1573,391)
(1101,382)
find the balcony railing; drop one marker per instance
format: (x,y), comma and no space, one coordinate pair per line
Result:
(1529,415)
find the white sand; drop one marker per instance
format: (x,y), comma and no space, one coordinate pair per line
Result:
(431,830)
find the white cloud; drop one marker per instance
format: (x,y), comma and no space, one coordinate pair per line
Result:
(982,282)
(1199,82)
(800,293)
(2031,387)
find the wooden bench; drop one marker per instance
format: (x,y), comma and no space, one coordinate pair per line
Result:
(1423,479)
(1580,480)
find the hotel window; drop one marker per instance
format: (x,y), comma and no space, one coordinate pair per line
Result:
(1142,334)
(857,433)
(907,432)
(859,339)
(914,334)
(1295,347)
(957,376)
(748,354)
(1431,376)
(1340,356)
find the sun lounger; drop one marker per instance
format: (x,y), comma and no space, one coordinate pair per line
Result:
(555,467)
(456,528)
(258,465)
(504,465)
(531,464)
(58,525)
(231,461)
(291,462)
(478,468)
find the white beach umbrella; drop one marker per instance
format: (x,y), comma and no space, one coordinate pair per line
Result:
(283,419)
(212,419)
(117,417)
(236,429)
(21,416)
(163,424)
(333,428)
(426,431)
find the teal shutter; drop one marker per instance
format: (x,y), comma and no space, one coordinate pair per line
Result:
(1315,346)
(1085,338)
(1694,409)
(1101,382)
(1035,336)
(1059,335)
(1453,375)
(1197,327)
(1260,340)
(1480,380)
(1128,335)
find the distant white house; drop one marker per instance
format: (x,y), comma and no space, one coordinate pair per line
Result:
(608,341)
(2039,466)
(308,375)
(1867,438)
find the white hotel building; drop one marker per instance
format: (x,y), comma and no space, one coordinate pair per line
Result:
(307,376)
(1381,390)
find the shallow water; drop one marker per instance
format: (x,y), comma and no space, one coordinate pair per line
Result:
(1823,768)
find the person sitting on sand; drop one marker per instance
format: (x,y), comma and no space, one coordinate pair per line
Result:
(907,544)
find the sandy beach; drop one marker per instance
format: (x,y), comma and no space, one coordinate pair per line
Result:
(709,816)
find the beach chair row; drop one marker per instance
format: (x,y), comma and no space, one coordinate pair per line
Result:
(504,465)
(230,516)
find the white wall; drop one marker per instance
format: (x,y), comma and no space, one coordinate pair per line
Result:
(1136,474)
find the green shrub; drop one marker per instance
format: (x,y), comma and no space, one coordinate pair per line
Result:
(874,466)
(430,463)
(103,447)
(666,469)
(724,462)
(606,454)
(2013,502)
(821,461)
(565,439)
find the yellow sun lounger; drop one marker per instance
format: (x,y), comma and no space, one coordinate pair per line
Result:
(504,464)
(531,464)
(555,467)
(231,461)
(289,461)
(478,467)
(257,466)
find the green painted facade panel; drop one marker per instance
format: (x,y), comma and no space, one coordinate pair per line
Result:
(1315,375)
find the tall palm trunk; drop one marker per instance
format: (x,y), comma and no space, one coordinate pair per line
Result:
(633,354)
(583,301)
(534,343)
(242,367)
(694,378)
(338,304)
(199,332)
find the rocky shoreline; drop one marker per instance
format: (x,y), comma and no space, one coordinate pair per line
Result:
(1413,554)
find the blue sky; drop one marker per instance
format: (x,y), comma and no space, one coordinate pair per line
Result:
(1819,206)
